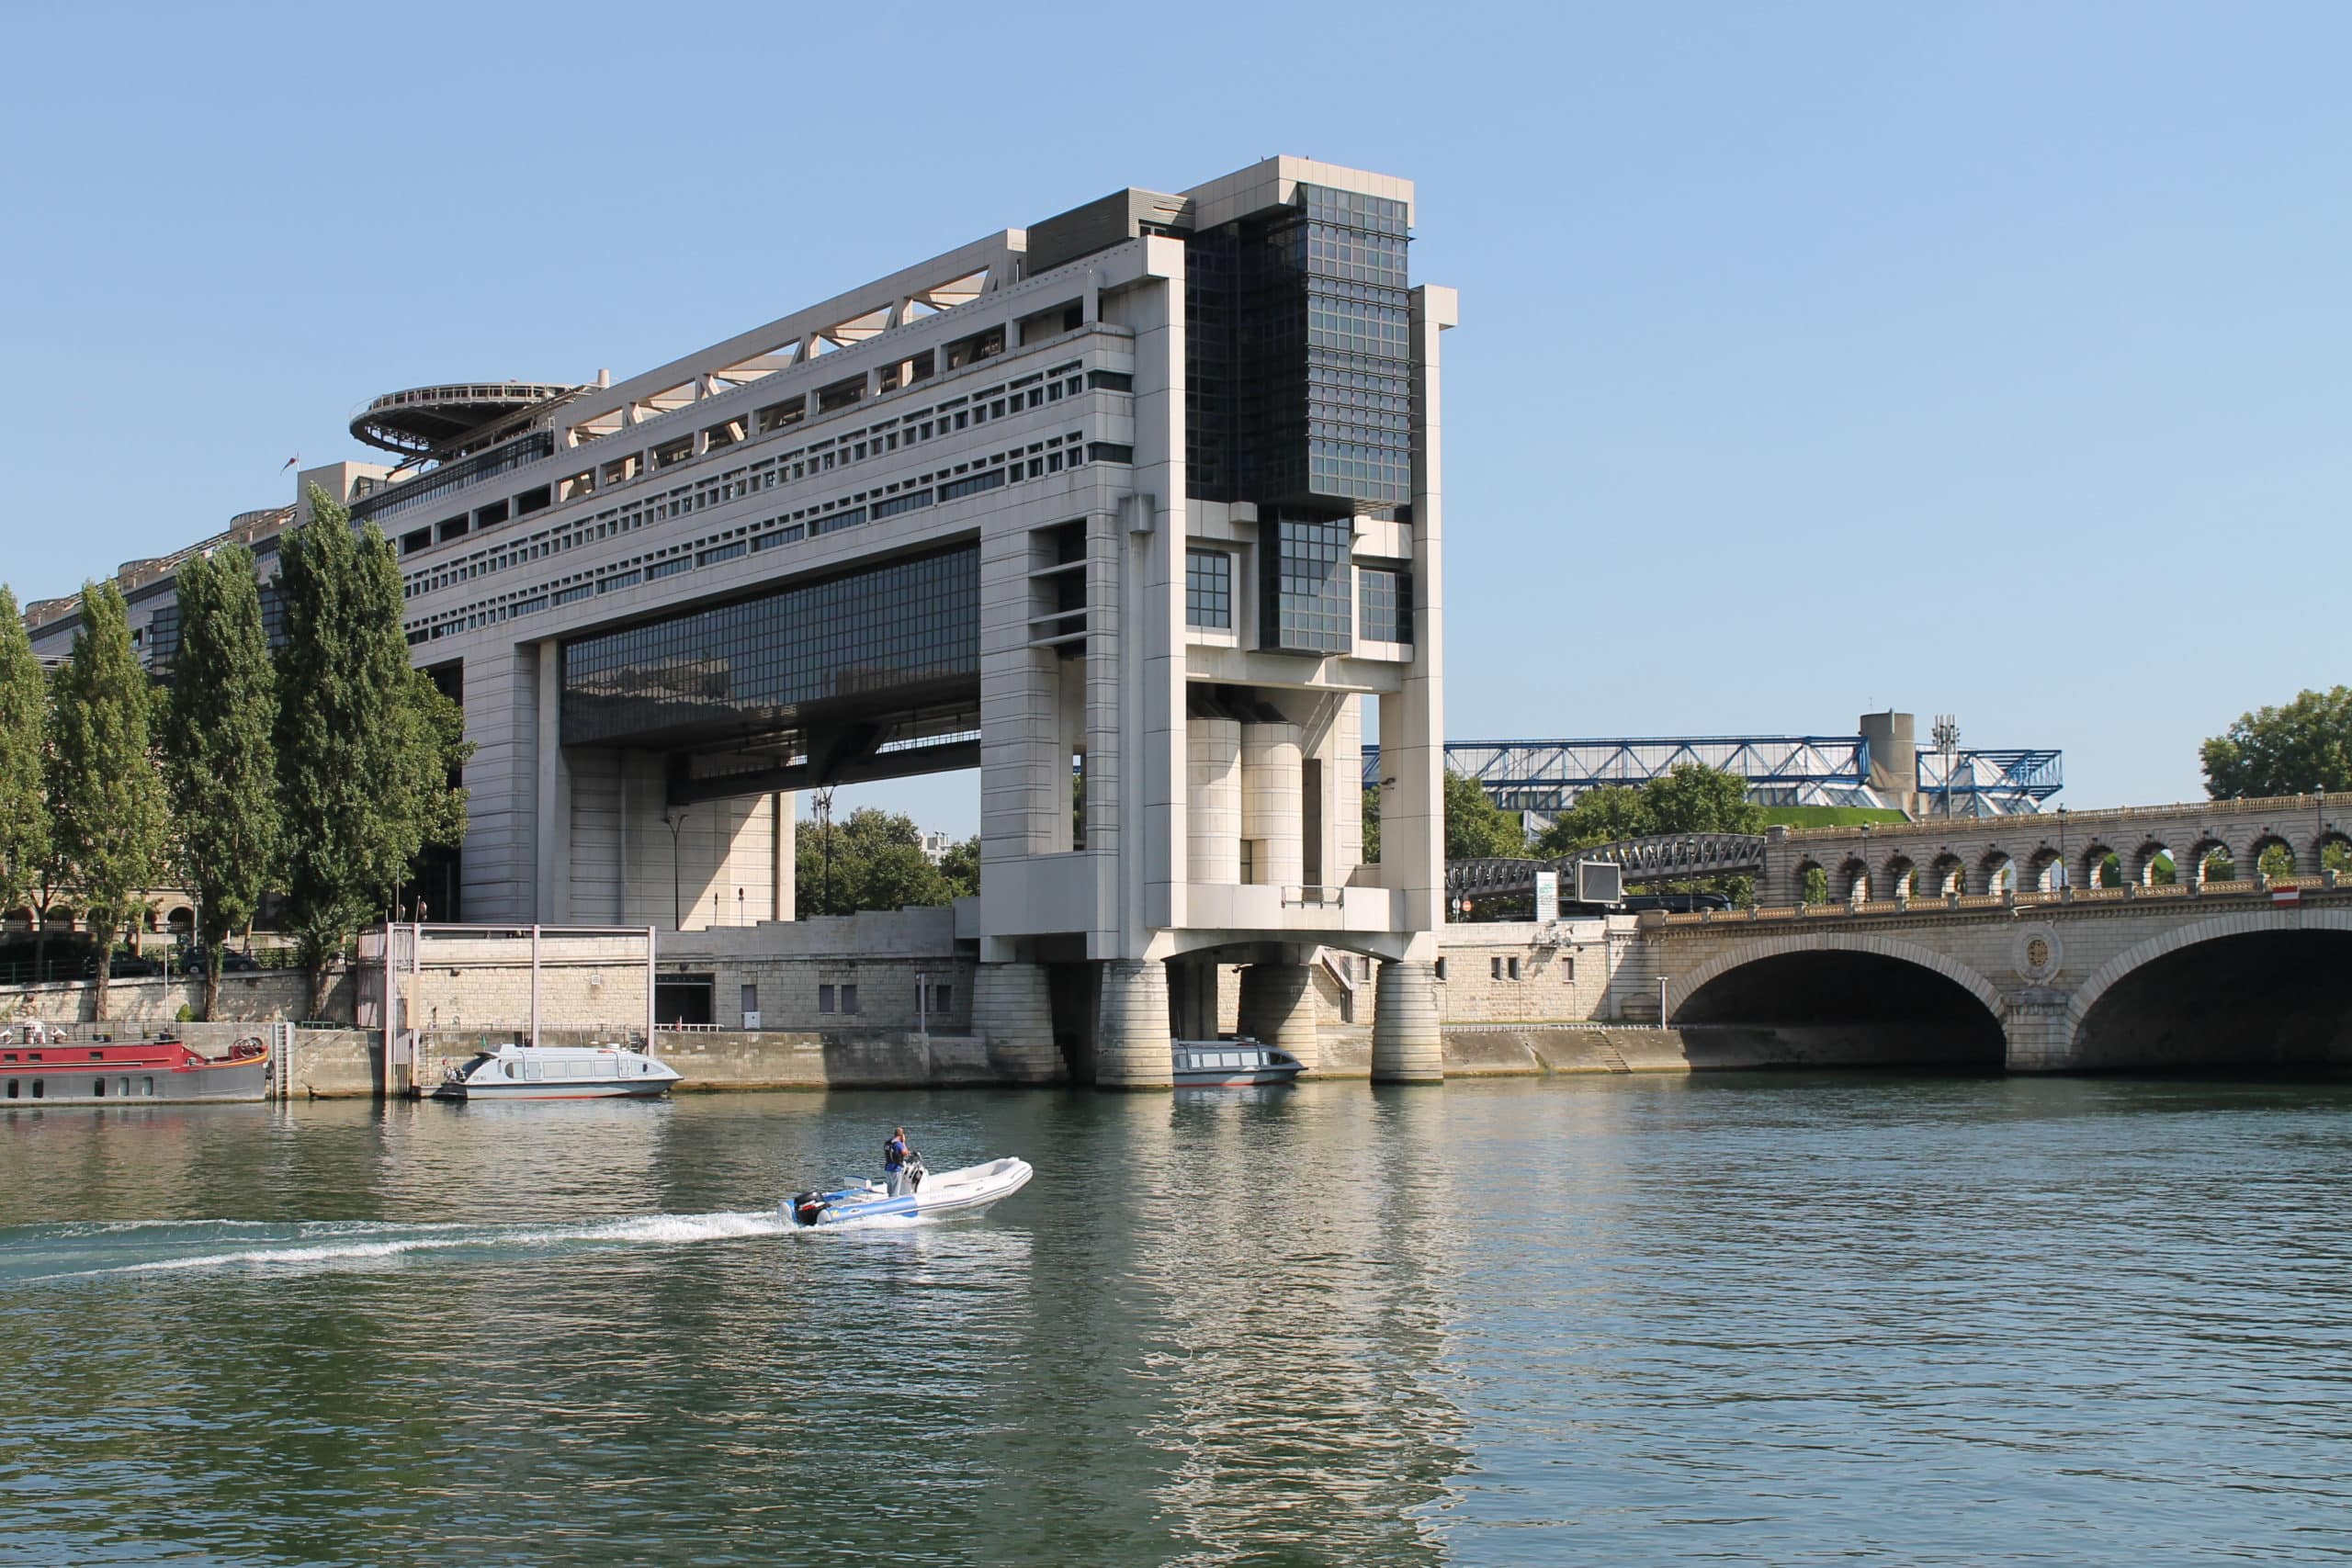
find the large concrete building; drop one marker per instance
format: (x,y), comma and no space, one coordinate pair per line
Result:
(1131,510)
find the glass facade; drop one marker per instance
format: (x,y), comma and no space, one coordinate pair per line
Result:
(879,638)
(1304,585)
(1298,357)
(1384,603)
(1208,590)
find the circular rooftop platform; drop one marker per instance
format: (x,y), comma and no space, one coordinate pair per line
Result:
(423,418)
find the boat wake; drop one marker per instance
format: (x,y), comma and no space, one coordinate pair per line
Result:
(47,1253)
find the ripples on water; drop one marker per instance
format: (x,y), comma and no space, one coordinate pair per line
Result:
(1758,1318)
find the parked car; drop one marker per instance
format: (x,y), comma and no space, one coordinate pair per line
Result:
(232,962)
(122,966)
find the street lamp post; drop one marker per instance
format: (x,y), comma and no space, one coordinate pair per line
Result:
(825,816)
(677,909)
(2065,867)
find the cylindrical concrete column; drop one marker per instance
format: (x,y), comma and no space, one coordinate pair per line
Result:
(1132,1043)
(1272,803)
(1212,799)
(1012,1011)
(1405,1047)
(1278,1009)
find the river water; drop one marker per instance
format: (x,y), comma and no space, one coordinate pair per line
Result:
(1763,1317)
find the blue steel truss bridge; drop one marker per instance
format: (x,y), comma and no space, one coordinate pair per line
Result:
(1545,777)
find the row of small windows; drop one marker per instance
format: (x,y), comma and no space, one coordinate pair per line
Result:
(818,457)
(97,1090)
(1506,968)
(1037,459)
(1020,395)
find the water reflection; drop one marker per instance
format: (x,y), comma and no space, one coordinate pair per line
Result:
(1784,1319)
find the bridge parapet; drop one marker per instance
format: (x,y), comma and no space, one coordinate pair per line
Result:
(1980,856)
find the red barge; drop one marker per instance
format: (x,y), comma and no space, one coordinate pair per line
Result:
(96,1072)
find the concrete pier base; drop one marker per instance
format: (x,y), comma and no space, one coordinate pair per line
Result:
(1278,1009)
(1406,1044)
(1011,1010)
(1131,1049)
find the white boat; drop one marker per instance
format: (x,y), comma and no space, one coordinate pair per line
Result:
(558,1072)
(1232,1064)
(967,1191)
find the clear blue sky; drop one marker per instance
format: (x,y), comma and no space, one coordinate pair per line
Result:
(1815,358)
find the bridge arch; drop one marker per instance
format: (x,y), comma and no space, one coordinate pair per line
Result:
(1947,873)
(1902,879)
(2263,846)
(2141,869)
(2094,868)
(2251,988)
(2208,856)
(2041,871)
(1996,872)
(1845,1000)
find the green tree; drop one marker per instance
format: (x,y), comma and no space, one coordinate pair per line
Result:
(106,795)
(217,765)
(1691,798)
(961,867)
(23,796)
(1371,827)
(2276,860)
(1817,886)
(365,744)
(1600,816)
(876,864)
(2294,749)
(1476,829)
(1695,799)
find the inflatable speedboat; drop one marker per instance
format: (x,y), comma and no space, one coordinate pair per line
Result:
(967,1191)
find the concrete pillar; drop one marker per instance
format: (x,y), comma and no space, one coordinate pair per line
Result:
(1012,1012)
(1272,808)
(1278,1010)
(2041,1039)
(1405,1047)
(784,846)
(1213,801)
(1132,1040)
(551,840)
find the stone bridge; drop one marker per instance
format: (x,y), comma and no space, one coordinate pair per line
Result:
(1939,856)
(2246,975)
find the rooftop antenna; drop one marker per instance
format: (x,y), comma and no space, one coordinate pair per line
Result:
(1946,735)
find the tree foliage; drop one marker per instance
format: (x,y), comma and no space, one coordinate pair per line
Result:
(1476,829)
(24,725)
(106,796)
(364,742)
(2304,746)
(961,867)
(876,863)
(1691,798)
(216,729)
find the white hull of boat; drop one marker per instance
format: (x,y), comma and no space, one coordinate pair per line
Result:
(964,1191)
(558,1072)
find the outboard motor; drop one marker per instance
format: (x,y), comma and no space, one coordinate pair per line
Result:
(915,1171)
(806,1208)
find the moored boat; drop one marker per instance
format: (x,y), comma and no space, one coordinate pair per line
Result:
(1232,1064)
(967,1191)
(558,1072)
(58,1071)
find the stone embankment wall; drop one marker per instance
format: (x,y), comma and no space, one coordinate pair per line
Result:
(270,994)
